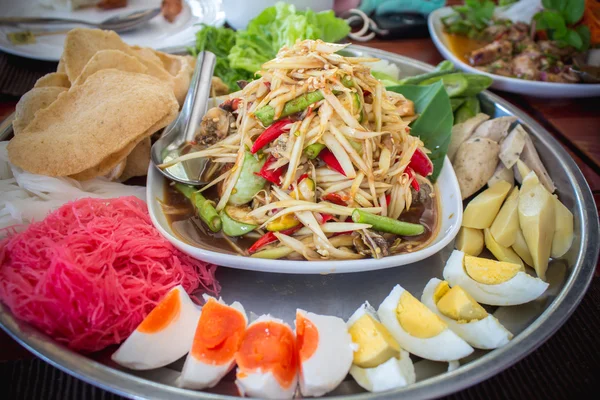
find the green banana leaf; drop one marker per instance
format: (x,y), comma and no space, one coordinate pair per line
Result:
(434,124)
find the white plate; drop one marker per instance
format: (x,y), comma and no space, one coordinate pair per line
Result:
(521,86)
(158,33)
(451,217)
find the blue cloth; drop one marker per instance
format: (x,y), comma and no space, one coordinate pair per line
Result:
(381,7)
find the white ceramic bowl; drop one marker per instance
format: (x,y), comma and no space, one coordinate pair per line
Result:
(514,85)
(451,217)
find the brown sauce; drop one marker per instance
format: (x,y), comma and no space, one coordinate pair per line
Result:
(462,46)
(180,213)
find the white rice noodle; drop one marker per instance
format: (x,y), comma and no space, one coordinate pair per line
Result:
(340,154)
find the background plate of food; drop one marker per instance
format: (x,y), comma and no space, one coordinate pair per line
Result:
(175,26)
(515,62)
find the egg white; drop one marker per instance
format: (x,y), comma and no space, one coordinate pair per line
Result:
(199,375)
(520,289)
(487,333)
(446,346)
(143,351)
(261,384)
(331,361)
(392,374)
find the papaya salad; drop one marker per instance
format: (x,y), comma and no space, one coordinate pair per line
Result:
(312,160)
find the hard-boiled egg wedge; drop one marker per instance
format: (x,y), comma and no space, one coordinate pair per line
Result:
(464,315)
(492,282)
(267,360)
(394,373)
(379,362)
(218,337)
(164,336)
(418,330)
(325,352)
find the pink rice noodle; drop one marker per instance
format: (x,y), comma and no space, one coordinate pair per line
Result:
(90,272)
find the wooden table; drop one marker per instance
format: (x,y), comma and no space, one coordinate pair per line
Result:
(575,123)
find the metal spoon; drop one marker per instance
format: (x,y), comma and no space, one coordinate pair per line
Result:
(177,137)
(118,23)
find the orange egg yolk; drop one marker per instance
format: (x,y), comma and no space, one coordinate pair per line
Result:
(307,337)
(163,314)
(269,346)
(219,333)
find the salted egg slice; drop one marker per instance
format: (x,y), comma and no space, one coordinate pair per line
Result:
(217,338)
(267,360)
(164,336)
(325,351)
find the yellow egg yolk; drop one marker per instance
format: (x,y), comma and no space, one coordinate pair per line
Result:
(163,314)
(375,344)
(416,319)
(490,272)
(457,304)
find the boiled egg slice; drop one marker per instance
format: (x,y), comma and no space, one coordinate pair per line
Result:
(325,352)
(492,282)
(379,362)
(267,360)
(464,315)
(418,330)
(394,373)
(218,337)
(164,336)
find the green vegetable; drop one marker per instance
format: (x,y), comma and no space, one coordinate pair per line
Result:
(415,80)
(248,183)
(556,18)
(236,221)
(278,26)
(470,19)
(468,110)
(273,253)
(266,114)
(445,65)
(220,41)
(385,79)
(312,151)
(455,84)
(385,224)
(477,83)
(434,124)
(205,209)
(456,102)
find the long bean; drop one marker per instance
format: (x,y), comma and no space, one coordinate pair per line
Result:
(385,224)
(204,208)
(266,114)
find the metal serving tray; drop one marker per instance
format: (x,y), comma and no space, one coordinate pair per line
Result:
(341,294)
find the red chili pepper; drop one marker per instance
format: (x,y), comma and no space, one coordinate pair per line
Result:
(270,237)
(328,158)
(271,133)
(335,199)
(411,175)
(324,217)
(388,199)
(272,175)
(302,177)
(420,163)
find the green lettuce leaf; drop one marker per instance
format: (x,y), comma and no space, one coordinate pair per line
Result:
(220,41)
(434,124)
(278,26)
